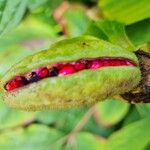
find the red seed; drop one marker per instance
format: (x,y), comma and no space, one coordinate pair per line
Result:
(59,66)
(15,83)
(105,62)
(67,69)
(113,62)
(80,65)
(42,72)
(94,64)
(128,63)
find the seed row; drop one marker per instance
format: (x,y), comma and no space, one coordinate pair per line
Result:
(63,69)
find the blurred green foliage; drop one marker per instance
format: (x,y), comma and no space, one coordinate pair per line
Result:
(31,25)
(128,12)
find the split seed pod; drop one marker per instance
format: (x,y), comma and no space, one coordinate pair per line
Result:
(83,87)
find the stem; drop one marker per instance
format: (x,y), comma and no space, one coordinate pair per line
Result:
(69,138)
(142,94)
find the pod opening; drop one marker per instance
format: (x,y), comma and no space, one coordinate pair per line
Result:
(65,68)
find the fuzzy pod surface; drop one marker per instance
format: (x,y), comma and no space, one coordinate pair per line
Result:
(85,87)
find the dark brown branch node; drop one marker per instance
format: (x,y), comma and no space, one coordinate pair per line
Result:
(143,92)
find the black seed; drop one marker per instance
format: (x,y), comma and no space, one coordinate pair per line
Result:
(25,81)
(53,72)
(33,78)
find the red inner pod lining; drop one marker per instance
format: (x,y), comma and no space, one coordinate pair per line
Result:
(62,69)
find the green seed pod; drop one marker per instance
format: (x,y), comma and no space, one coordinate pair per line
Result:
(84,87)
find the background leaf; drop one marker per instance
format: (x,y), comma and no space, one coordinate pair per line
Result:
(110,112)
(112,31)
(45,5)
(76,21)
(34,4)
(64,120)
(133,115)
(144,109)
(11,117)
(11,13)
(127,11)
(28,138)
(139,33)
(91,142)
(134,136)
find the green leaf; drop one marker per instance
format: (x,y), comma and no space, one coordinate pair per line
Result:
(11,13)
(76,22)
(64,120)
(127,11)
(11,56)
(135,136)
(133,115)
(139,33)
(86,141)
(34,4)
(31,29)
(43,5)
(94,30)
(96,127)
(11,117)
(34,137)
(143,109)
(111,111)
(112,31)
(29,37)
